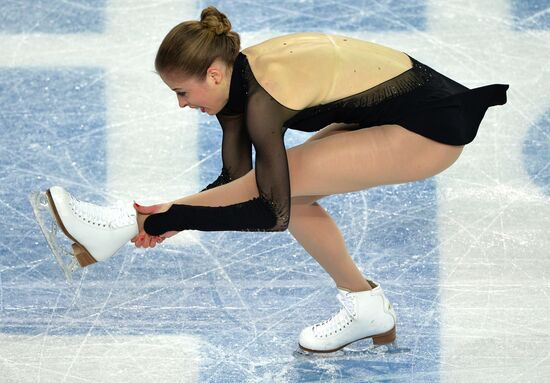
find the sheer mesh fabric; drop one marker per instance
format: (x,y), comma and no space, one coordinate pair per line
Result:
(253,117)
(236,149)
(407,81)
(265,119)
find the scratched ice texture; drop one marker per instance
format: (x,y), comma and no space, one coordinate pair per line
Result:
(464,256)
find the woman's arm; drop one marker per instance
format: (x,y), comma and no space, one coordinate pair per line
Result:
(236,150)
(271,209)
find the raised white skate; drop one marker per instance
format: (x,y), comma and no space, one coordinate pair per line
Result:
(96,232)
(365,314)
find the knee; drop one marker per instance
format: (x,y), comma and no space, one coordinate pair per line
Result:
(301,213)
(304,201)
(304,209)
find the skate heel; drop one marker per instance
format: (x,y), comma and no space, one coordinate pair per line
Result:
(83,257)
(385,338)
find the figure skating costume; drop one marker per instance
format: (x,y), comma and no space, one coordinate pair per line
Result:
(307,81)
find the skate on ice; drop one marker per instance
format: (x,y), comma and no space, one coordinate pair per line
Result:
(96,232)
(365,314)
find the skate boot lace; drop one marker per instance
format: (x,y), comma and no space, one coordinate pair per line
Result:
(338,321)
(106,217)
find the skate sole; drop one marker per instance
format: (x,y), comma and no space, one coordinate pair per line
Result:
(81,254)
(377,339)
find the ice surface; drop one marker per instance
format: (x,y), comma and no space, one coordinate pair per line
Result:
(464,257)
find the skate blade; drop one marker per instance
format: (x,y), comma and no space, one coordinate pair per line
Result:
(64,258)
(356,350)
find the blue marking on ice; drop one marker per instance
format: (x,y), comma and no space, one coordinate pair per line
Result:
(311,15)
(531,14)
(245,295)
(52,130)
(536,152)
(52,16)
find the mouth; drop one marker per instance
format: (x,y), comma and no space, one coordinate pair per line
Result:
(202,109)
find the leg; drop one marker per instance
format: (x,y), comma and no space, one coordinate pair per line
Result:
(312,226)
(360,159)
(340,161)
(345,162)
(317,232)
(407,157)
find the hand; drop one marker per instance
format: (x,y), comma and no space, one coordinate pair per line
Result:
(143,239)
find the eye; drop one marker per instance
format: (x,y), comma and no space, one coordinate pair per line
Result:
(182,94)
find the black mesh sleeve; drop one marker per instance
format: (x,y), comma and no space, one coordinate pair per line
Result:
(236,150)
(262,126)
(270,211)
(265,127)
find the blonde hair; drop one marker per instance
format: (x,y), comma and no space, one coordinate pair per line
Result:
(192,46)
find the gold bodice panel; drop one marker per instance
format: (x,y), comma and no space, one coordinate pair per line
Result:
(302,70)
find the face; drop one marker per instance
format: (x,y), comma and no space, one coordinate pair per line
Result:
(209,95)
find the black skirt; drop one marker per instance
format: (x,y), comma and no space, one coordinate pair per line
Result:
(437,108)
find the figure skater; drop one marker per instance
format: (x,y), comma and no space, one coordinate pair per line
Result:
(380,117)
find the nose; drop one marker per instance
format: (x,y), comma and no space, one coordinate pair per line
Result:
(182,103)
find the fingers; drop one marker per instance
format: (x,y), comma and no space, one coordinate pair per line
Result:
(143,239)
(146,241)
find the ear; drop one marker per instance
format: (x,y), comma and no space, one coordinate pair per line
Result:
(215,73)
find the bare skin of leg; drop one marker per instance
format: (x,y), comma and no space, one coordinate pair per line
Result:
(334,161)
(312,226)
(316,231)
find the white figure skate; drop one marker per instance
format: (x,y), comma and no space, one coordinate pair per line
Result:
(366,314)
(96,232)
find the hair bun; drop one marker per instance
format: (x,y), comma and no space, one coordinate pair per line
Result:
(215,21)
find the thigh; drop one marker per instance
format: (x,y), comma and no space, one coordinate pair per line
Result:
(360,159)
(345,162)
(245,188)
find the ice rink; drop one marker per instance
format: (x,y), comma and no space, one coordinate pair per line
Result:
(464,257)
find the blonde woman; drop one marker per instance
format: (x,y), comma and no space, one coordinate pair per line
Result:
(380,117)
